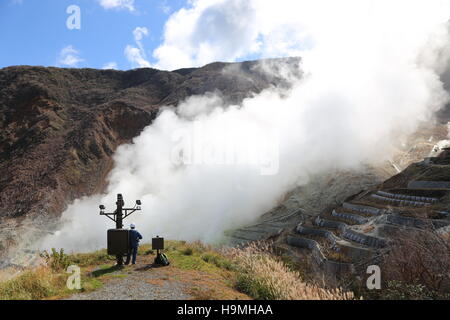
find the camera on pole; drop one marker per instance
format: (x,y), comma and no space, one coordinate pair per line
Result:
(118,238)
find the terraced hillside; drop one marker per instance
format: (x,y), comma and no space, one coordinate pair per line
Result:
(346,238)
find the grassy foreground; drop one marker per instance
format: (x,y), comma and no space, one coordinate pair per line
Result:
(254,271)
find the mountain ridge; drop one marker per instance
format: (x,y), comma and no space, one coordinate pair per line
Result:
(60,127)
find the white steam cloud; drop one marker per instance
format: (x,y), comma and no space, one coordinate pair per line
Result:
(371,74)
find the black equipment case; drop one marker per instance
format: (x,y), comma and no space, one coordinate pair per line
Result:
(118,241)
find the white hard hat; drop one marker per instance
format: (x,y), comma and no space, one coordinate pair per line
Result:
(132,225)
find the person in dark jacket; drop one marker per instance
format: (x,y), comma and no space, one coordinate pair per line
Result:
(135,236)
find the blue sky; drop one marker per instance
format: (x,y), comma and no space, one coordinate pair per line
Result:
(171,34)
(163,34)
(126,34)
(34,32)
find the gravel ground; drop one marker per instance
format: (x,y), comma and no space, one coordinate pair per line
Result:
(139,283)
(144,281)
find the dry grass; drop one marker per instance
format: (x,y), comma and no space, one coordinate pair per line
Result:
(263,276)
(38,284)
(337,256)
(48,281)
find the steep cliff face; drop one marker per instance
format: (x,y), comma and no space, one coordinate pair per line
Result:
(60,127)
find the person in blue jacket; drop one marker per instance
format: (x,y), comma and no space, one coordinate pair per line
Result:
(135,236)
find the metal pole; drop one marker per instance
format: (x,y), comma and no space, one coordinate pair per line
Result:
(119,213)
(119,223)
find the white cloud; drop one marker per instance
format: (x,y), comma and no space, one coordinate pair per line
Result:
(137,55)
(164,7)
(118,4)
(208,31)
(139,33)
(226,30)
(110,65)
(69,57)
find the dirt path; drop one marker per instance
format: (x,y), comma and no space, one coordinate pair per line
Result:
(135,284)
(144,281)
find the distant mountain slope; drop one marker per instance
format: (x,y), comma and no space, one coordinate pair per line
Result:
(60,127)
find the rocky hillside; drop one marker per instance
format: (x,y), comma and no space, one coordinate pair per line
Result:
(60,127)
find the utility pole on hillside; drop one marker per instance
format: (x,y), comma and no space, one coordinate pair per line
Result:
(118,238)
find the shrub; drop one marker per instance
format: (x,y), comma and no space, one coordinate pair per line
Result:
(256,287)
(57,261)
(208,257)
(218,261)
(398,290)
(418,259)
(88,259)
(188,251)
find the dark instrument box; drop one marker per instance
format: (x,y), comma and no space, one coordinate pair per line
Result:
(157,243)
(118,241)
